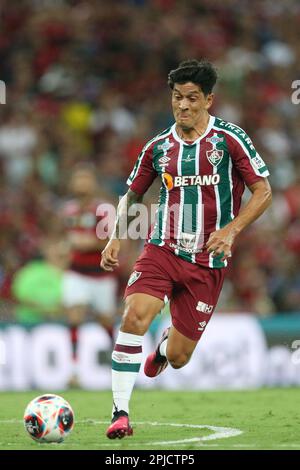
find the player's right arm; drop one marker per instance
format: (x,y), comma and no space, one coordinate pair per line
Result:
(109,259)
(140,179)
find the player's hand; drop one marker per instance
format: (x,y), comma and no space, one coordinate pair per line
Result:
(110,254)
(220,242)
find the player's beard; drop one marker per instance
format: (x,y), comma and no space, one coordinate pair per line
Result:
(185,127)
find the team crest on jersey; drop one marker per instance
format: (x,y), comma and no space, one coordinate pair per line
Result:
(214,156)
(134,277)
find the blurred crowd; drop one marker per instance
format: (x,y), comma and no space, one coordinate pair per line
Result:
(87,82)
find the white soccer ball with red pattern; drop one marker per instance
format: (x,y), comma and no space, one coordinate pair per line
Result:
(49,418)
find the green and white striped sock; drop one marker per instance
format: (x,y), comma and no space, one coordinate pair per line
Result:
(126,363)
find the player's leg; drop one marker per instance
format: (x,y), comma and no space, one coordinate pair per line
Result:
(174,348)
(140,309)
(191,309)
(147,287)
(179,348)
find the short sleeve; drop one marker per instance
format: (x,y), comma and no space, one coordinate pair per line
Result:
(245,158)
(143,173)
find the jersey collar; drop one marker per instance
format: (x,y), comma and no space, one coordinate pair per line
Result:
(208,129)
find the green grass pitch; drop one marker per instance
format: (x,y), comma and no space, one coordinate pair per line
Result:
(267,418)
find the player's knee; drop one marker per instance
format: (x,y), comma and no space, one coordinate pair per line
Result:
(134,319)
(177,360)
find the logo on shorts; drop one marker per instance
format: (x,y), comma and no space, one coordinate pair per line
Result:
(202,325)
(204,308)
(134,277)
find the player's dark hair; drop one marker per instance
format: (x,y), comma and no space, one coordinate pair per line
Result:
(202,73)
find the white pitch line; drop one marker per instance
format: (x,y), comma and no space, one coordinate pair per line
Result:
(218,432)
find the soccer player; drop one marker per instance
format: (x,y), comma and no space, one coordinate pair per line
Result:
(204,164)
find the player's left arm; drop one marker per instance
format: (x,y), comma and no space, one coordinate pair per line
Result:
(223,239)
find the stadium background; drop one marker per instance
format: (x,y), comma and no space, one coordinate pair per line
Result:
(86,81)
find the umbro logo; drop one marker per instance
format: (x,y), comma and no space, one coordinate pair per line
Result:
(163,161)
(202,325)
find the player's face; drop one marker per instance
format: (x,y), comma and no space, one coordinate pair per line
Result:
(190,105)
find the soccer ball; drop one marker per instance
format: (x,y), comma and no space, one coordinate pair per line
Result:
(48,418)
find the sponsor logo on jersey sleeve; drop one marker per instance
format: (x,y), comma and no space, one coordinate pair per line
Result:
(257,161)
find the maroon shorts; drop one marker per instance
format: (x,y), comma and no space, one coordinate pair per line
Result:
(193,290)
